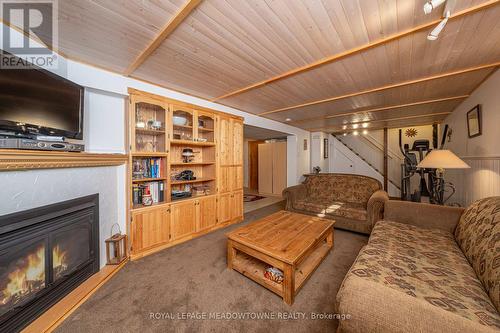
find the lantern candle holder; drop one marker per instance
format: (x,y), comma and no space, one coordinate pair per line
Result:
(116,247)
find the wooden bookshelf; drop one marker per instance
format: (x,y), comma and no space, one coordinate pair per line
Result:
(174,220)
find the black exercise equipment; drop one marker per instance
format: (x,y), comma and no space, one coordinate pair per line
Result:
(437,186)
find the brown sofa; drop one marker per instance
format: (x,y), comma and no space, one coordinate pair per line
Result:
(353,201)
(427,268)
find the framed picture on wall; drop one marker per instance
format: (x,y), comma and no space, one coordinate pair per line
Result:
(325,148)
(474,121)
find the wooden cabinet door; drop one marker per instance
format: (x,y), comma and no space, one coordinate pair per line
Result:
(237,204)
(183,219)
(237,142)
(225,201)
(226,141)
(237,178)
(150,228)
(206,210)
(226,179)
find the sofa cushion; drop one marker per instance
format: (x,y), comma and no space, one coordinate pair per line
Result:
(342,187)
(478,235)
(427,265)
(310,205)
(348,210)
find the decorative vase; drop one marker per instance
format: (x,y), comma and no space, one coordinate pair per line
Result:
(147,199)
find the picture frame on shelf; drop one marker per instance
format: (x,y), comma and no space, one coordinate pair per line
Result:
(474,122)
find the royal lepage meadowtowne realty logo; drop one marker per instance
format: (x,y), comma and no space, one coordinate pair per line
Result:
(32,36)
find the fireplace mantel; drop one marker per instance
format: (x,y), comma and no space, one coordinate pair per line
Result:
(11,159)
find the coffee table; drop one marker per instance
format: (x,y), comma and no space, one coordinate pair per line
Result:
(294,243)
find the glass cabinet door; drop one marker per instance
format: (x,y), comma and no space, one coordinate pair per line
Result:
(182,123)
(206,127)
(149,127)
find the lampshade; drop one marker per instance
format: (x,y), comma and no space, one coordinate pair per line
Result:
(442,159)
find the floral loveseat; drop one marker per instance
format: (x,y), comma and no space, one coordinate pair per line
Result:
(427,268)
(353,201)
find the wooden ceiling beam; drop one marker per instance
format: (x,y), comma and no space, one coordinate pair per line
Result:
(379,109)
(358,49)
(171,25)
(385,87)
(339,128)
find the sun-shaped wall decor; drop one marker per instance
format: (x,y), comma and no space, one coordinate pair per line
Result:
(411,132)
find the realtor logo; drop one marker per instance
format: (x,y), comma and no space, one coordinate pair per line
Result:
(32,35)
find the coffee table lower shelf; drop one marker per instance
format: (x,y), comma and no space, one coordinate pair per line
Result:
(253,264)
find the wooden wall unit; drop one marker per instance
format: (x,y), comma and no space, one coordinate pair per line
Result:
(217,141)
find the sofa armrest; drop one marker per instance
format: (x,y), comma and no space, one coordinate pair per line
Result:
(294,193)
(375,207)
(423,215)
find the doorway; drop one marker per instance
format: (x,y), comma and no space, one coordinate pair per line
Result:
(264,165)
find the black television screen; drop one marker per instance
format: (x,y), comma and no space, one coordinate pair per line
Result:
(35,101)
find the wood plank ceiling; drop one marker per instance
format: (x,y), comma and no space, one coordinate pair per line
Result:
(302,60)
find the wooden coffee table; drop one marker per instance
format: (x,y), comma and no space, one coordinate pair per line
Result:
(294,243)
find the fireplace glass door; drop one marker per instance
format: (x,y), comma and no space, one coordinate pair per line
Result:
(22,273)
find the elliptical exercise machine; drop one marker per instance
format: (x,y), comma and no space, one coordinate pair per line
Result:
(437,186)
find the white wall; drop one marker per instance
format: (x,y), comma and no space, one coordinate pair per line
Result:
(482,153)
(318,150)
(343,160)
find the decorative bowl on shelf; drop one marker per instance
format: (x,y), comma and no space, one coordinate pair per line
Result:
(179,120)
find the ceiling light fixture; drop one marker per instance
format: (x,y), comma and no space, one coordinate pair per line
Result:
(433,35)
(432,4)
(355,126)
(344,127)
(288,119)
(345,134)
(355,133)
(365,125)
(365,132)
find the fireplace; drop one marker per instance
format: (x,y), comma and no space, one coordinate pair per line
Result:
(44,254)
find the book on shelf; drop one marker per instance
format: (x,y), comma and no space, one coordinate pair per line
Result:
(156,189)
(148,168)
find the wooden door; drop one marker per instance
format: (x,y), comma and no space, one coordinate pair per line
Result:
(237,204)
(279,167)
(253,164)
(265,168)
(150,228)
(226,141)
(206,210)
(237,144)
(183,219)
(225,201)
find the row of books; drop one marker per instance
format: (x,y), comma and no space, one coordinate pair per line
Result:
(150,167)
(156,189)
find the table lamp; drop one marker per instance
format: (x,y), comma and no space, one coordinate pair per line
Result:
(441,159)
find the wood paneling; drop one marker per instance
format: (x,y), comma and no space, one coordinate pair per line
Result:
(325,48)
(171,25)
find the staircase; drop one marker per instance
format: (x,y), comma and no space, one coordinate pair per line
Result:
(378,146)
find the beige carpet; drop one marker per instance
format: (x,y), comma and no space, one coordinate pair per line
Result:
(192,278)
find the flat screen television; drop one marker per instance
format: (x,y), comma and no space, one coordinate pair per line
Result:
(37,102)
